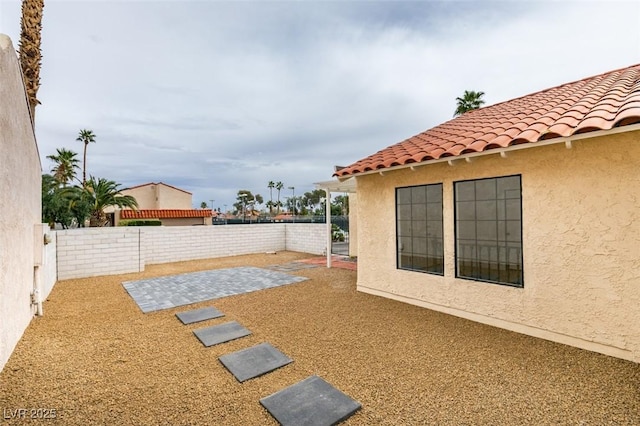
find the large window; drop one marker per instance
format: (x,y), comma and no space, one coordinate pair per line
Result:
(489,230)
(419,228)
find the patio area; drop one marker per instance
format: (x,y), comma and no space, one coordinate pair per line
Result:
(96,358)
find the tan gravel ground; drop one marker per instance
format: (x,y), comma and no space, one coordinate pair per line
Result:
(97,359)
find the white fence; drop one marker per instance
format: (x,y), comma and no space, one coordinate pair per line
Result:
(107,251)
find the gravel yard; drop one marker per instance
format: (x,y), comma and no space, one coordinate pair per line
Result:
(95,358)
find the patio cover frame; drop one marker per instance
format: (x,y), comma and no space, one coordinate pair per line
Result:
(347,185)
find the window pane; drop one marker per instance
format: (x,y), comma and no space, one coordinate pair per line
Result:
(466,230)
(508,187)
(466,210)
(419,245)
(419,211)
(486,210)
(513,209)
(404,228)
(513,230)
(403,195)
(404,212)
(486,189)
(434,228)
(434,211)
(419,228)
(434,193)
(465,191)
(487,230)
(404,245)
(419,263)
(418,195)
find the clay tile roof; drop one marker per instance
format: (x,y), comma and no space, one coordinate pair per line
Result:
(596,103)
(164,214)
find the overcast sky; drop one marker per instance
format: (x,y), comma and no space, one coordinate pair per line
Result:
(217,96)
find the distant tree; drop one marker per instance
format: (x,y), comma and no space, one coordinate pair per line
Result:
(470,100)
(55,206)
(103,193)
(310,200)
(279,186)
(85,136)
(65,165)
(270,204)
(29,50)
(342,204)
(246,199)
(203,205)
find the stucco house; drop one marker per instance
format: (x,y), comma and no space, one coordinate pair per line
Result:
(523,215)
(171,205)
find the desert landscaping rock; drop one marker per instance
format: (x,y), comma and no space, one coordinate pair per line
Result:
(95,358)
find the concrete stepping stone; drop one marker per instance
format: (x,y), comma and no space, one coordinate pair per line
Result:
(214,335)
(197,315)
(312,402)
(254,361)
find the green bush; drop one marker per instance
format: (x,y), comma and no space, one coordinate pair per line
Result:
(337,234)
(140,222)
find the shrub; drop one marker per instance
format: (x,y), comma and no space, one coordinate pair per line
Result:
(140,222)
(337,234)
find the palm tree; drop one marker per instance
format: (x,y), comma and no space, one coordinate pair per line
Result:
(66,164)
(85,136)
(270,203)
(470,100)
(103,193)
(30,51)
(279,186)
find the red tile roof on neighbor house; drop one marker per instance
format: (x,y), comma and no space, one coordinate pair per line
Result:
(597,103)
(164,214)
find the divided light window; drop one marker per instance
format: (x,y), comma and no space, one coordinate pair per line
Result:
(419,228)
(489,230)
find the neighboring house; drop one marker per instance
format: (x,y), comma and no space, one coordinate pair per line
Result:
(170,217)
(523,215)
(173,206)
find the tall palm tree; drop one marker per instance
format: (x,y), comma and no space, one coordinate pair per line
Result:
(271,185)
(85,136)
(103,193)
(30,51)
(279,186)
(66,164)
(470,100)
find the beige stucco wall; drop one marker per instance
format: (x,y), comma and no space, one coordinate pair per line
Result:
(160,196)
(581,244)
(20,196)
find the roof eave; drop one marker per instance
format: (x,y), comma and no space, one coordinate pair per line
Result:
(502,151)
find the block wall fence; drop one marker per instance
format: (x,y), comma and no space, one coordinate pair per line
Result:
(91,252)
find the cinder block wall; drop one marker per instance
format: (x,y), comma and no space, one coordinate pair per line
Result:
(306,237)
(174,244)
(110,251)
(91,252)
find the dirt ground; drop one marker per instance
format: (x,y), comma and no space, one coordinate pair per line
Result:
(95,358)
